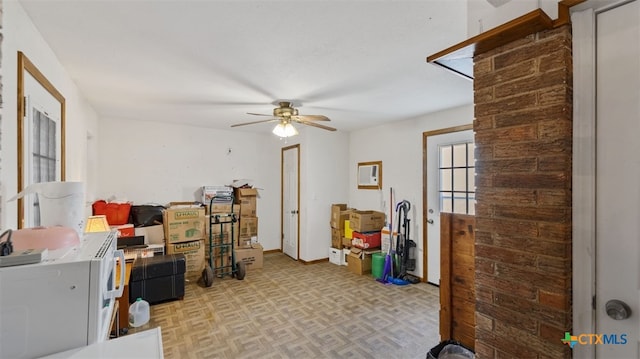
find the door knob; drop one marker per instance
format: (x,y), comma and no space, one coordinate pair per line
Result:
(430,221)
(617,309)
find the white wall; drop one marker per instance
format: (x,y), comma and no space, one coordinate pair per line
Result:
(21,35)
(482,16)
(325,169)
(147,162)
(399,147)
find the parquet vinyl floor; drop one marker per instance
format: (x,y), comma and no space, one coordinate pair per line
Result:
(291,310)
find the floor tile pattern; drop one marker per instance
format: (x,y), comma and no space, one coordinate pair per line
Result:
(291,310)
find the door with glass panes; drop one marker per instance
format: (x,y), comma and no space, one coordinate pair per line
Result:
(450,186)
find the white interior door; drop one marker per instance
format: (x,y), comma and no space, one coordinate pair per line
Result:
(41,145)
(290,194)
(450,187)
(618,178)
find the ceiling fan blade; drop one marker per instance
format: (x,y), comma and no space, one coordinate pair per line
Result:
(311,118)
(254,122)
(316,125)
(258,114)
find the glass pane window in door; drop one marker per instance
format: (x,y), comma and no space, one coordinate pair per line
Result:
(43,155)
(446,201)
(446,177)
(457,178)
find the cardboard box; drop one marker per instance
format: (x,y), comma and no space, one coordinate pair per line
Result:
(346,242)
(223,208)
(359,260)
(336,238)
(216,241)
(335,256)
(339,213)
(366,221)
(248,227)
(252,257)
(183,224)
(348,232)
(194,254)
(366,240)
(152,234)
(247,198)
(345,253)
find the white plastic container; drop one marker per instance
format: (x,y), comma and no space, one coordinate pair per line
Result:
(139,313)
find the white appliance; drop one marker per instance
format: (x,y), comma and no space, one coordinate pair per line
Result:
(63,302)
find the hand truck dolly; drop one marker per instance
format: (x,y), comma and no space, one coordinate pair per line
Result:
(222,248)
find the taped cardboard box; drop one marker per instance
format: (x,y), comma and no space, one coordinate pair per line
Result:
(252,257)
(336,238)
(194,254)
(247,199)
(183,224)
(367,221)
(339,213)
(359,260)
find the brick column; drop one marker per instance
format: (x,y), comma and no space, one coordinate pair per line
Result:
(523,124)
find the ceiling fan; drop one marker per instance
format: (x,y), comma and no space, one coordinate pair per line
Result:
(285,114)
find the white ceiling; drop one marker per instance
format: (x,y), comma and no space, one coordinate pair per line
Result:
(208,63)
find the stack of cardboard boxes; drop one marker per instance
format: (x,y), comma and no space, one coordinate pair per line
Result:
(339,217)
(184,231)
(248,250)
(366,227)
(355,236)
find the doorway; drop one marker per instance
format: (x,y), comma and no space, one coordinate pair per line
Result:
(290,215)
(606,170)
(448,175)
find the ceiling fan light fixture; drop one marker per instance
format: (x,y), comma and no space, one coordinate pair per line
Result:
(284,130)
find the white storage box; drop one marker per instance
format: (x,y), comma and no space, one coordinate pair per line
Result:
(335,256)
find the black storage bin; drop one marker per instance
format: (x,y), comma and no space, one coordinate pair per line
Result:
(158,278)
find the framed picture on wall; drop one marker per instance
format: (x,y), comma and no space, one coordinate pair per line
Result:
(370,175)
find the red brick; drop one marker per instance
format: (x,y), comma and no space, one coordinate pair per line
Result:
(521,116)
(560,232)
(532,342)
(553,147)
(553,197)
(504,255)
(556,163)
(525,132)
(506,104)
(483,351)
(529,164)
(555,300)
(508,195)
(548,181)
(507,285)
(534,245)
(554,265)
(555,129)
(483,123)
(519,70)
(538,213)
(484,294)
(555,95)
(537,279)
(507,227)
(531,83)
(530,50)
